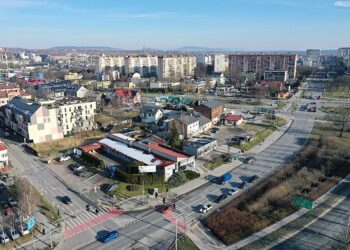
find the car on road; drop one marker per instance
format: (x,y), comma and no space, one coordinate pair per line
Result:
(302,108)
(248,159)
(3,237)
(232,191)
(64,158)
(66,200)
(221,198)
(253,178)
(109,236)
(14,234)
(214,130)
(205,209)
(6,134)
(23,229)
(243,185)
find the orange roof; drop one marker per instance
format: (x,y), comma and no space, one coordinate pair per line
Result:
(166,151)
(233,118)
(88,148)
(2,147)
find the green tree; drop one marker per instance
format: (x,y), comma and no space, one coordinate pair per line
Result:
(174,138)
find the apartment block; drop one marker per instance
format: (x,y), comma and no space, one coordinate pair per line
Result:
(205,59)
(345,54)
(220,63)
(146,66)
(112,62)
(33,121)
(259,63)
(170,67)
(313,57)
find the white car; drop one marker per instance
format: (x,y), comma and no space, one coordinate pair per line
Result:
(205,209)
(233,191)
(79,168)
(23,229)
(14,234)
(65,158)
(4,238)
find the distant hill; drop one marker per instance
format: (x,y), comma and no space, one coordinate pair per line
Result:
(203,49)
(84,48)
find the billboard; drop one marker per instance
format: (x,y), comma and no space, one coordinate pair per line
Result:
(147,169)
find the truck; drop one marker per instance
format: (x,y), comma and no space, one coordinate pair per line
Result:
(225,178)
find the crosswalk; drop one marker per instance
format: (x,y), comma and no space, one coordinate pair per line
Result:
(84,220)
(181,218)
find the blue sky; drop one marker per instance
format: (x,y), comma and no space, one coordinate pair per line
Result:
(166,24)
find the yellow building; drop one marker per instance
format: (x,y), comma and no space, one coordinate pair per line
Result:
(73,76)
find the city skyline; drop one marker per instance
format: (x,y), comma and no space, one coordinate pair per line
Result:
(237,24)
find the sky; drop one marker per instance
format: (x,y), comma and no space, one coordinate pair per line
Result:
(169,24)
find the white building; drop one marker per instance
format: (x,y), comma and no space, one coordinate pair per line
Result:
(313,57)
(4,159)
(75,116)
(164,85)
(220,63)
(345,54)
(151,114)
(204,59)
(113,62)
(145,65)
(170,67)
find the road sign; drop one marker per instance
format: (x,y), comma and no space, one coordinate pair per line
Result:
(31,223)
(299,201)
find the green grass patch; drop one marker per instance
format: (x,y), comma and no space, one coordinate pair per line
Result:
(277,122)
(281,105)
(213,164)
(184,243)
(259,132)
(333,110)
(46,208)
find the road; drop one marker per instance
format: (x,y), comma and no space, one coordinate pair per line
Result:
(329,230)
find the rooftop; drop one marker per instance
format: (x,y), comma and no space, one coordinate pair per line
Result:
(233,118)
(2,147)
(166,151)
(211,104)
(88,148)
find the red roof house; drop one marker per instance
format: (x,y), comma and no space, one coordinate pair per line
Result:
(127,97)
(234,120)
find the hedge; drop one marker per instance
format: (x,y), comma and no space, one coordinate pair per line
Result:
(93,159)
(147,179)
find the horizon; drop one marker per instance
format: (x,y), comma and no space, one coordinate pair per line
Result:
(242,25)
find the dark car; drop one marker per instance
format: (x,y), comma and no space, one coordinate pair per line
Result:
(253,178)
(2,187)
(221,198)
(66,200)
(243,185)
(108,236)
(73,166)
(248,159)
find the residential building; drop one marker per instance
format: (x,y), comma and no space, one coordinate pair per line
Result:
(176,66)
(146,66)
(59,89)
(204,122)
(111,62)
(127,97)
(204,59)
(164,85)
(4,159)
(313,57)
(240,64)
(234,120)
(10,90)
(275,75)
(33,121)
(76,91)
(151,114)
(345,54)
(210,109)
(186,124)
(220,63)
(73,76)
(75,116)
(199,146)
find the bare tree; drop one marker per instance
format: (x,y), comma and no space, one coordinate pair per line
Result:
(340,119)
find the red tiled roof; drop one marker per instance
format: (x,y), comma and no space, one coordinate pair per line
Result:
(166,151)
(234,118)
(2,147)
(156,139)
(88,148)
(126,93)
(8,86)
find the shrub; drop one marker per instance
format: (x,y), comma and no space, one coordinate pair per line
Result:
(132,187)
(177,179)
(190,175)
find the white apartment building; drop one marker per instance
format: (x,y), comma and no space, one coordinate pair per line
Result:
(170,67)
(146,66)
(313,57)
(163,85)
(75,116)
(220,63)
(345,54)
(204,59)
(114,62)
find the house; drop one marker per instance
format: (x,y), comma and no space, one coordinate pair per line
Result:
(59,89)
(76,91)
(234,120)
(4,159)
(199,146)
(10,90)
(210,109)
(33,121)
(151,114)
(187,124)
(204,123)
(126,97)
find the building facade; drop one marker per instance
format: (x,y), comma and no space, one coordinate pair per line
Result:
(33,121)
(146,66)
(174,67)
(204,59)
(259,63)
(313,57)
(345,54)
(112,62)
(4,159)
(220,63)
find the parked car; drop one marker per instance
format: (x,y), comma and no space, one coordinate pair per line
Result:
(73,166)
(14,234)
(23,229)
(108,236)
(243,185)
(112,187)
(3,237)
(233,191)
(253,178)
(64,158)
(205,209)
(6,134)
(2,187)
(221,198)
(12,202)
(66,200)
(79,167)
(248,159)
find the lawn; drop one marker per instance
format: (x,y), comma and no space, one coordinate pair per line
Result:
(259,132)
(278,122)
(313,172)
(55,148)
(342,92)
(184,243)
(333,110)
(123,189)
(280,105)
